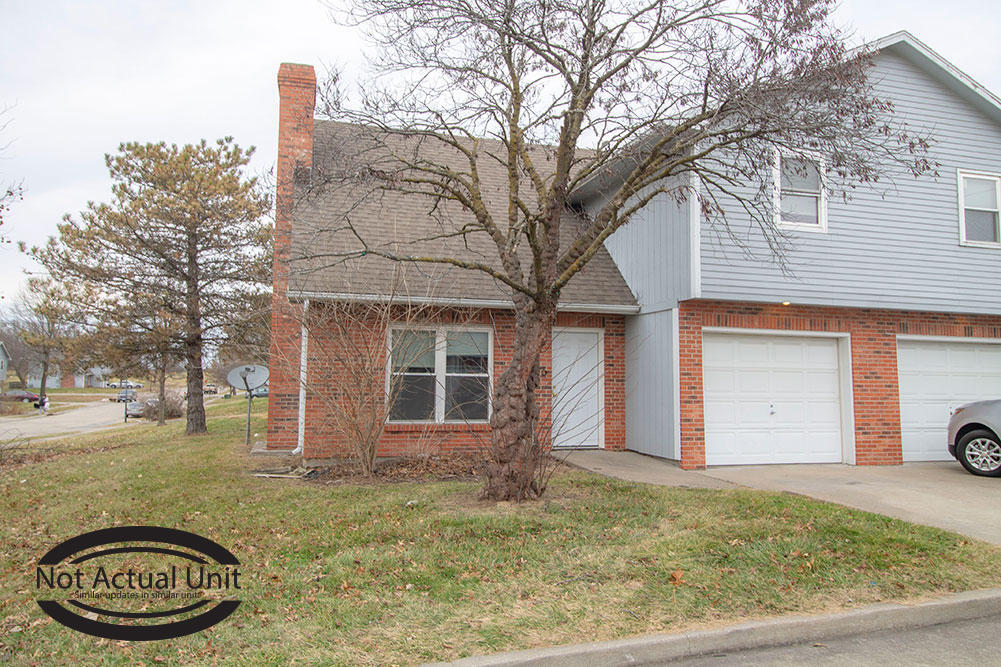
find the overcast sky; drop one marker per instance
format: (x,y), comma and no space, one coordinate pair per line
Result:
(81,78)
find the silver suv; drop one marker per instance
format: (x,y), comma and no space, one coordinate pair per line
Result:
(973,439)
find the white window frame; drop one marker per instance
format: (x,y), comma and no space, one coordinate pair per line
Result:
(961,191)
(821,226)
(440,354)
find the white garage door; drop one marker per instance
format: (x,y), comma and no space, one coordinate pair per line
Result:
(934,378)
(771,399)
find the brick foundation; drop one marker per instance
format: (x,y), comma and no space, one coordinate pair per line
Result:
(874,362)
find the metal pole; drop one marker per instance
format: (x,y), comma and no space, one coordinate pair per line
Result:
(250,397)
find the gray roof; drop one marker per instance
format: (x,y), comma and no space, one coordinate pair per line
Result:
(340,204)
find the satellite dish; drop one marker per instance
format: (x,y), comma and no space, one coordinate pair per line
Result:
(248,377)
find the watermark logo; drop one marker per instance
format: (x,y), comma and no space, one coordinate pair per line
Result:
(135,578)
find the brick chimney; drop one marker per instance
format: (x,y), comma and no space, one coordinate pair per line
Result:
(297,95)
(297,92)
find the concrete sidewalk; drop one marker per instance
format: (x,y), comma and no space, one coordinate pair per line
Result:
(633,467)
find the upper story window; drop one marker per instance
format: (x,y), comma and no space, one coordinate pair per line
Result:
(801,203)
(979,210)
(439,374)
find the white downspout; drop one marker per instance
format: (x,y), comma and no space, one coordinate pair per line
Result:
(303,374)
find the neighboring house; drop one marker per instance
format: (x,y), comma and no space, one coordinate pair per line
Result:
(891,314)
(91,377)
(4,364)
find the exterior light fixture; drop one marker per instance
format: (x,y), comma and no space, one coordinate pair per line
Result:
(785,303)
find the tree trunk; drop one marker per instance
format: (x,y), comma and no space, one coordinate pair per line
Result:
(162,405)
(196,404)
(193,341)
(515,453)
(45,376)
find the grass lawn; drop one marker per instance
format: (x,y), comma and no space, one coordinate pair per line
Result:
(16,409)
(411,572)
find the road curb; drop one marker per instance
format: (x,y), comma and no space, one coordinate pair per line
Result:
(756,634)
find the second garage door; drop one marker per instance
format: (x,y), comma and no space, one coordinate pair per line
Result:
(771,399)
(936,376)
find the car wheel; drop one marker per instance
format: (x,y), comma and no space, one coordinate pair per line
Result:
(980,453)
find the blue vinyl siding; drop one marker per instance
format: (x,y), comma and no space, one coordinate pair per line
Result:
(653,253)
(650,401)
(893,247)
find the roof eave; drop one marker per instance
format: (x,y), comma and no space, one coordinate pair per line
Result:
(459,302)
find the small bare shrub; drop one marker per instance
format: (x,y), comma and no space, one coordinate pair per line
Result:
(174,407)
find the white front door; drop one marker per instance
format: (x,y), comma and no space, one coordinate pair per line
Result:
(577,414)
(771,399)
(935,377)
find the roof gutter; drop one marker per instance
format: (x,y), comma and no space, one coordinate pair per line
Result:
(459,302)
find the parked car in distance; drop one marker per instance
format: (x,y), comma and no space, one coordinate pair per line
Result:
(126,395)
(112,385)
(973,438)
(211,389)
(260,392)
(22,395)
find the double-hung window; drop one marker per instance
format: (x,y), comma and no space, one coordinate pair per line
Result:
(979,210)
(439,374)
(801,201)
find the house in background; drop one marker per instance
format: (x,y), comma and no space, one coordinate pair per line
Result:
(4,365)
(891,314)
(92,377)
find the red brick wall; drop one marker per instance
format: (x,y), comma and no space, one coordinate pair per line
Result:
(323,441)
(297,94)
(66,380)
(874,362)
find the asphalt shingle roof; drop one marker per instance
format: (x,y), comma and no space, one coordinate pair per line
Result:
(338,206)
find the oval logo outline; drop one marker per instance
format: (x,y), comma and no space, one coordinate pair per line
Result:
(155,534)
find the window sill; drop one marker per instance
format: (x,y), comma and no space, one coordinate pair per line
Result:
(980,244)
(802,227)
(414,427)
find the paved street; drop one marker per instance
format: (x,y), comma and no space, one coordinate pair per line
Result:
(89,417)
(940,494)
(955,644)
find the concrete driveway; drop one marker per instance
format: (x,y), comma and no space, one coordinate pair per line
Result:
(936,494)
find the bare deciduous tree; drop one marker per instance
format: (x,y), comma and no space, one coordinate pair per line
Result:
(46,326)
(9,192)
(621,102)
